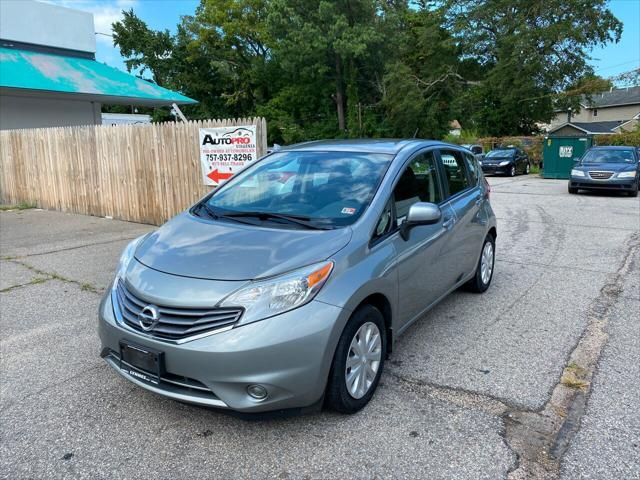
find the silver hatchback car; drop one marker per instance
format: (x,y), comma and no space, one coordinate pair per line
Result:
(286,287)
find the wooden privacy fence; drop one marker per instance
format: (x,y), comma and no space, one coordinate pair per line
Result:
(136,173)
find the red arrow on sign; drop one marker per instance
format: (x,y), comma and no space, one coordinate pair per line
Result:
(216,176)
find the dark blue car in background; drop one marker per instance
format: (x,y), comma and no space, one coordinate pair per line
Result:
(607,168)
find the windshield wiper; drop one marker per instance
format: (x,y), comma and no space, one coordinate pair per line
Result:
(296,219)
(209,210)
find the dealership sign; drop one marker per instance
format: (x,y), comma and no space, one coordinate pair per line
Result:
(225,151)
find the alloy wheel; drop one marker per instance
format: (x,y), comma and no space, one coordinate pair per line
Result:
(486,263)
(363,360)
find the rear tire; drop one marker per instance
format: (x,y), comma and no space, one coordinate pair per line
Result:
(527,169)
(484,270)
(341,396)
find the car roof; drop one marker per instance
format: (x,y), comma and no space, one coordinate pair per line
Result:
(378,145)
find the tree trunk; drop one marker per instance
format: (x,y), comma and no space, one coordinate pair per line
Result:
(339,97)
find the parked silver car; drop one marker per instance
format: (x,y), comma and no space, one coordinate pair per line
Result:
(286,286)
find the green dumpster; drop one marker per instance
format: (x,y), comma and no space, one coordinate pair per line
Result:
(560,153)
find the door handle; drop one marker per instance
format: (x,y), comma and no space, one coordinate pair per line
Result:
(449,223)
(479,201)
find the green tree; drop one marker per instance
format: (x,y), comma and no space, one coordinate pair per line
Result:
(584,88)
(423,79)
(145,50)
(323,48)
(531,50)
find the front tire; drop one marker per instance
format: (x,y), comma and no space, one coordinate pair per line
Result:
(484,270)
(572,190)
(512,171)
(358,361)
(634,193)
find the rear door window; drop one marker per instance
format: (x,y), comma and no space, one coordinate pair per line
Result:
(455,171)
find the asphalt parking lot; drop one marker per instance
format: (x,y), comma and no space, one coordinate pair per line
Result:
(537,378)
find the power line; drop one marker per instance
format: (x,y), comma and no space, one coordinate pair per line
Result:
(617,65)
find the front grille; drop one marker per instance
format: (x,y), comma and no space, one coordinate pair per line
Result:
(174,323)
(597,175)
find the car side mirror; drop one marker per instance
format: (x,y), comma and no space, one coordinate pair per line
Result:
(420,213)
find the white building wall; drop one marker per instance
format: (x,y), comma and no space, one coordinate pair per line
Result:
(48,25)
(36,112)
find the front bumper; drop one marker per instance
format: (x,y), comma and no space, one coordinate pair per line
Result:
(289,354)
(588,183)
(495,169)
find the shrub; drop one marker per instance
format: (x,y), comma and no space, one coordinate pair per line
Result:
(625,138)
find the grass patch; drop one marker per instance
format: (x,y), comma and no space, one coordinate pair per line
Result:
(571,377)
(84,286)
(87,287)
(20,206)
(534,169)
(575,369)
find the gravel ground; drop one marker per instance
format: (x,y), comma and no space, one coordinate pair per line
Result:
(65,414)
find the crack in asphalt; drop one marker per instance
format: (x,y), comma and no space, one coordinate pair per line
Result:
(8,406)
(84,286)
(575,225)
(559,267)
(540,439)
(456,395)
(65,249)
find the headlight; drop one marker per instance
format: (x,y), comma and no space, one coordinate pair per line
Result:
(577,173)
(627,175)
(480,162)
(505,163)
(265,298)
(127,256)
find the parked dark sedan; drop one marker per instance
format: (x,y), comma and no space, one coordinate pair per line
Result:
(506,161)
(607,168)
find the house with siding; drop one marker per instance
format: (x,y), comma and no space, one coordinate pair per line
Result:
(615,111)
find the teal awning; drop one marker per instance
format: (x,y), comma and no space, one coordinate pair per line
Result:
(42,72)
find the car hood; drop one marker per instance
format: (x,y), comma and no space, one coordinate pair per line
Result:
(220,250)
(610,167)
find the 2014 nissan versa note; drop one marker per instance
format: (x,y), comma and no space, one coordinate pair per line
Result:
(286,286)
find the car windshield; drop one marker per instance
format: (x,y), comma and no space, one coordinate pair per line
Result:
(326,189)
(506,152)
(609,156)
